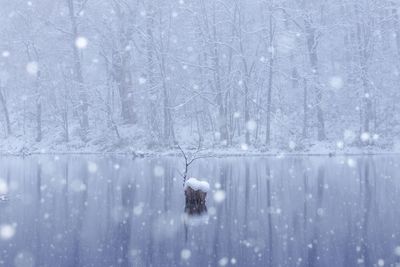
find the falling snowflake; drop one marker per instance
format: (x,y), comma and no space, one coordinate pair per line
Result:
(158,171)
(219,196)
(7,231)
(340,144)
(142,80)
(32,68)
(223,261)
(336,82)
(397,251)
(351,162)
(92,167)
(138,209)
(3,187)
(365,137)
(251,125)
(292,145)
(5,53)
(81,42)
(186,254)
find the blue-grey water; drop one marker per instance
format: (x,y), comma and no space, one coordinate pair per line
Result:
(115,211)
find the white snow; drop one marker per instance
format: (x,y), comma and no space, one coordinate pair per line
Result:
(142,80)
(3,187)
(5,53)
(397,251)
(92,167)
(196,185)
(219,196)
(158,171)
(251,125)
(81,42)
(336,82)
(185,254)
(7,231)
(32,68)
(223,261)
(365,137)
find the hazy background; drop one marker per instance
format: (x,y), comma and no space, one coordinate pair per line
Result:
(116,75)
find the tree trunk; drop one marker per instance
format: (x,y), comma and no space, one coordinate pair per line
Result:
(217,82)
(312,44)
(38,121)
(305,110)
(121,70)
(5,111)
(270,78)
(151,84)
(83,106)
(362,44)
(38,110)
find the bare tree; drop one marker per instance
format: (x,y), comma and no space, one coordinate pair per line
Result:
(83,106)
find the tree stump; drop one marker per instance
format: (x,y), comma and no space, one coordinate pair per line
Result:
(195,195)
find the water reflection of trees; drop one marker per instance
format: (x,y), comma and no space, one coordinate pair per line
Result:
(277,212)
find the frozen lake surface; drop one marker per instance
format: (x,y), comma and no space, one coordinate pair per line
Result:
(113,211)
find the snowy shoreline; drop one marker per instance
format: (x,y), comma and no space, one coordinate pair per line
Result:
(211,153)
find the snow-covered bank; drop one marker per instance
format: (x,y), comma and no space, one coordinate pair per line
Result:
(16,147)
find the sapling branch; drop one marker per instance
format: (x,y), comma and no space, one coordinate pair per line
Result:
(188,161)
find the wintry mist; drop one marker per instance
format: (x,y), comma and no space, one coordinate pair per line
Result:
(123,75)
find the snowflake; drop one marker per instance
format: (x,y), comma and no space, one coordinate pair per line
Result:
(5,53)
(336,82)
(158,171)
(292,145)
(251,125)
(223,261)
(142,80)
(219,196)
(340,144)
(81,42)
(351,162)
(365,137)
(92,167)
(3,187)
(32,68)
(7,231)
(185,254)
(244,146)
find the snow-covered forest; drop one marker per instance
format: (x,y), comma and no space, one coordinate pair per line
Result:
(118,75)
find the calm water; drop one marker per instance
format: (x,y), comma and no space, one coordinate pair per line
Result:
(114,211)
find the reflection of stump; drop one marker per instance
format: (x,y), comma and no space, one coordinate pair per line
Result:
(195,201)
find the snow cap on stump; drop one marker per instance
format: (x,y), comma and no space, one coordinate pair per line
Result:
(197,185)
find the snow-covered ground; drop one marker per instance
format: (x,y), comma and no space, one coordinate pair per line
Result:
(15,146)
